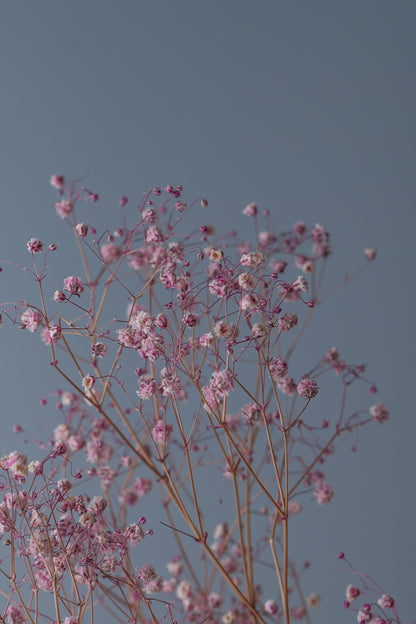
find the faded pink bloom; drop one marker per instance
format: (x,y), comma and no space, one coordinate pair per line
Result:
(59,296)
(82,229)
(379,413)
(287,321)
(270,606)
(128,496)
(162,432)
(294,507)
(250,413)
(63,208)
(15,615)
(250,210)
(34,245)
(174,568)
(73,285)
(299,228)
(57,181)
(300,285)
(352,593)
(286,384)
(370,253)
(99,350)
(363,616)
(252,259)
(313,600)
(321,247)
(278,368)
(278,266)
(184,590)
(154,235)
(51,335)
(307,389)
(148,387)
(31,319)
(386,602)
(258,330)
(110,252)
(216,255)
(298,613)
(142,486)
(323,493)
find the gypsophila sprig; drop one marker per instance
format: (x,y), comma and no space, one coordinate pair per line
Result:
(177,350)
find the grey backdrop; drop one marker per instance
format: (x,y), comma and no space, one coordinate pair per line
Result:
(307,108)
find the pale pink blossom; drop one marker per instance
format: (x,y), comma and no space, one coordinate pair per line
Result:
(270,607)
(99,350)
(162,432)
(34,245)
(379,413)
(386,602)
(278,368)
(307,389)
(110,252)
(250,210)
(31,319)
(63,208)
(154,235)
(313,599)
(287,321)
(57,181)
(245,281)
(370,253)
(73,285)
(142,486)
(81,229)
(323,493)
(148,387)
(252,259)
(15,615)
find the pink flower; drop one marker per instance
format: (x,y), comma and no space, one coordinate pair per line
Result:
(250,210)
(307,389)
(370,253)
(31,319)
(142,486)
(379,413)
(51,335)
(162,432)
(252,259)
(82,229)
(363,616)
(147,386)
(63,208)
(250,413)
(34,245)
(59,296)
(99,350)
(287,321)
(323,493)
(110,252)
(73,285)
(278,368)
(386,601)
(154,235)
(278,266)
(15,615)
(57,181)
(299,228)
(352,593)
(270,606)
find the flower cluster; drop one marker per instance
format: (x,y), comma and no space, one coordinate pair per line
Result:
(179,354)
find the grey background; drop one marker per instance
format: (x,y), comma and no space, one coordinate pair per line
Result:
(306,108)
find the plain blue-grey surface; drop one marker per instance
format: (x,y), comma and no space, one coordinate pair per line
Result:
(308,109)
